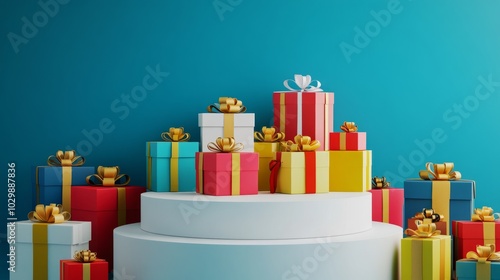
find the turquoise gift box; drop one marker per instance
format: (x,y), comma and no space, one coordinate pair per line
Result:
(47,182)
(453,199)
(467,269)
(171,167)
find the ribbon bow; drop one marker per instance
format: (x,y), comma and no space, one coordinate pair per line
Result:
(424,230)
(66,158)
(51,214)
(484,253)
(380,183)
(85,256)
(429,214)
(302,144)
(442,171)
(269,134)
(225,145)
(349,127)
(175,134)
(304,83)
(227,105)
(484,215)
(108,177)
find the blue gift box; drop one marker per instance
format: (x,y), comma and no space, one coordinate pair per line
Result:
(162,157)
(48,182)
(466,269)
(418,195)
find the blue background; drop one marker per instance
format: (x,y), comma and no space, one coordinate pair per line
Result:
(401,83)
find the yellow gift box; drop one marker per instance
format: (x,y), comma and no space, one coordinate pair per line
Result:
(292,173)
(426,258)
(350,171)
(266,151)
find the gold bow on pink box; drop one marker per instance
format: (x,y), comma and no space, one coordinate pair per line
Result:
(484,214)
(225,145)
(349,127)
(442,171)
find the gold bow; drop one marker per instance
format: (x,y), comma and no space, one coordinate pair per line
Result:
(424,230)
(429,214)
(484,215)
(269,134)
(380,183)
(225,145)
(175,134)
(442,171)
(349,127)
(302,144)
(227,105)
(50,214)
(85,256)
(107,177)
(66,158)
(484,253)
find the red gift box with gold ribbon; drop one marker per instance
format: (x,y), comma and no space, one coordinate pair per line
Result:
(107,204)
(225,171)
(349,139)
(484,228)
(84,266)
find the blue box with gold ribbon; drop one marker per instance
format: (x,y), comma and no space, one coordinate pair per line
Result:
(445,192)
(171,166)
(482,264)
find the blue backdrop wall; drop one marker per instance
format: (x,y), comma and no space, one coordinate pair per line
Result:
(422,78)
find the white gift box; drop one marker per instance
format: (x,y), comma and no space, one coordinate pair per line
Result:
(62,241)
(212,126)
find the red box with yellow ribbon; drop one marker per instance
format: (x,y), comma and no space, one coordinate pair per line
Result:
(467,235)
(224,171)
(75,270)
(387,205)
(348,140)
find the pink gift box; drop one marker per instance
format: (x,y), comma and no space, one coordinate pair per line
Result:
(388,201)
(220,173)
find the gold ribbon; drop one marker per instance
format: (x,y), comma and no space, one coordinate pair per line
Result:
(428,214)
(66,160)
(50,214)
(349,127)
(380,183)
(175,134)
(227,105)
(269,134)
(85,256)
(424,230)
(301,144)
(225,145)
(484,215)
(441,171)
(107,177)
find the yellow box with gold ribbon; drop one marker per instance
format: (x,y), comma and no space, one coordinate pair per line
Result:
(269,144)
(350,171)
(426,258)
(40,246)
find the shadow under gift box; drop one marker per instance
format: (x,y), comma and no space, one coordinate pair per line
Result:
(467,235)
(317,115)
(468,269)
(215,173)
(163,162)
(453,199)
(75,270)
(387,205)
(47,182)
(100,205)
(214,125)
(63,240)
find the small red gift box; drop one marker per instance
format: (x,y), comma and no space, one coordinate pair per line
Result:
(467,235)
(227,173)
(75,270)
(347,141)
(387,205)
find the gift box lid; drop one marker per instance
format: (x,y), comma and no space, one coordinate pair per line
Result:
(466,269)
(308,97)
(164,149)
(95,198)
(473,230)
(52,175)
(67,233)
(297,159)
(422,189)
(223,161)
(217,119)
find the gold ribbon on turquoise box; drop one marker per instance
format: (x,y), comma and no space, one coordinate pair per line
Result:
(174,135)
